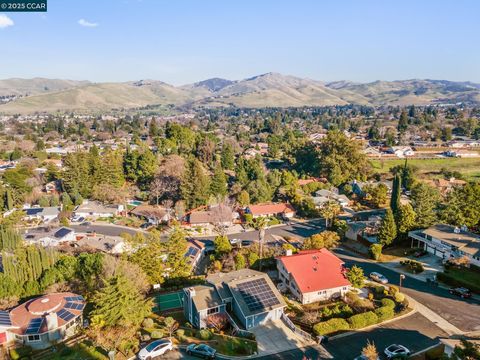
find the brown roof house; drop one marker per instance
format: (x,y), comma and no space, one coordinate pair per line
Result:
(42,321)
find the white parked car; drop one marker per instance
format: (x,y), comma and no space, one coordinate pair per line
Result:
(396,351)
(78,218)
(378,278)
(155,348)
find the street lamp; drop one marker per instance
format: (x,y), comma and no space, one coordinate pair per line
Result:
(401,278)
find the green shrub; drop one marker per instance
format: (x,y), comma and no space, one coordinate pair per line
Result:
(399,297)
(331,326)
(147,323)
(393,290)
(379,290)
(156,334)
(414,266)
(362,320)
(384,313)
(66,351)
(180,333)
(388,303)
(18,353)
(376,251)
(204,334)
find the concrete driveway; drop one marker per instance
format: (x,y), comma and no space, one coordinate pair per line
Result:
(275,337)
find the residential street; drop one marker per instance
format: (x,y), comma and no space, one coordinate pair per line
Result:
(415,332)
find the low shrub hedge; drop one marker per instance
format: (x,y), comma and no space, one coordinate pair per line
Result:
(414,266)
(362,320)
(331,326)
(454,281)
(388,303)
(204,334)
(384,313)
(21,352)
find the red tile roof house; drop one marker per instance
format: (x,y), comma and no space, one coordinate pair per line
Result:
(283,210)
(313,275)
(42,321)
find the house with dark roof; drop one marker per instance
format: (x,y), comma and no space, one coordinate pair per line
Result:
(42,321)
(49,236)
(219,214)
(313,275)
(248,295)
(44,214)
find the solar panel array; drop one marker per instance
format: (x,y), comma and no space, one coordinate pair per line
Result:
(65,315)
(5,319)
(34,326)
(257,294)
(74,306)
(191,251)
(74,298)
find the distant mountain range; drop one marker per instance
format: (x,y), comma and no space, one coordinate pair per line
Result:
(267,90)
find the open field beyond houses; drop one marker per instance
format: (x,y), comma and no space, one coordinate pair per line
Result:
(470,168)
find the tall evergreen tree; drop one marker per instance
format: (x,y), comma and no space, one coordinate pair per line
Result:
(218,186)
(195,186)
(388,229)
(120,303)
(396,193)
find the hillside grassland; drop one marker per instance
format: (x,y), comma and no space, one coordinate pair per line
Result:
(468,167)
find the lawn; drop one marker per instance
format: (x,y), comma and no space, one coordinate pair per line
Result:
(462,277)
(470,168)
(228,345)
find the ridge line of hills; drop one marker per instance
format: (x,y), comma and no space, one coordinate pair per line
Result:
(266,90)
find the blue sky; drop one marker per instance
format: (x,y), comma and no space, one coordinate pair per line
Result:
(182,41)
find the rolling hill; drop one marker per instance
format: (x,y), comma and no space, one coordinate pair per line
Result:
(271,89)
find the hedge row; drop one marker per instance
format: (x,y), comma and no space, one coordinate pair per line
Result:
(357,321)
(453,281)
(331,326)
(362,320)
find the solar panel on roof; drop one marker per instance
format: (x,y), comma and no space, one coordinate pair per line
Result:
(74,306)
(191,251)
(5,319)
(74,298)
(65,315)
(257,294)
(34,326)
(62,232)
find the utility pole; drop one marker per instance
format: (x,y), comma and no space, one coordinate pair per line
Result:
(401,278)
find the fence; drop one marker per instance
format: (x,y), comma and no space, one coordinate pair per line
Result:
(296,329)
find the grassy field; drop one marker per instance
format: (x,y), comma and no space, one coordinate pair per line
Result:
(470,168)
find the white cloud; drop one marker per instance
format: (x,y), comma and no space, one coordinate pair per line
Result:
(86,23)
(5,21)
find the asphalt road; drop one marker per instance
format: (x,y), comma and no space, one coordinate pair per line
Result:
(109,230)
(415,332)
(463,313)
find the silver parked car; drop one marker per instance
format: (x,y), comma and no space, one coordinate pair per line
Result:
(375,276)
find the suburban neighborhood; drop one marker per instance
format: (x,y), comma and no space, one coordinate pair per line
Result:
(170,189)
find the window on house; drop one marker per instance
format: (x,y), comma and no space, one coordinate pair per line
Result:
(212,311)
(33,337)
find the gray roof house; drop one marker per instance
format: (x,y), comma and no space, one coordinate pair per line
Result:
(45,214)
(247,294)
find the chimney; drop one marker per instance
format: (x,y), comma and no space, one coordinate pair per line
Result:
(52,321)
(191,292)
(288,252)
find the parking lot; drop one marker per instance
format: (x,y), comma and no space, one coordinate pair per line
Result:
(415,332)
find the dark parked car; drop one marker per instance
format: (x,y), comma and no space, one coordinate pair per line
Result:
(246,243)
(462,292)
(201,350)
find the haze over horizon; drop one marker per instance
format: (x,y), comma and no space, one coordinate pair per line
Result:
(187,41)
